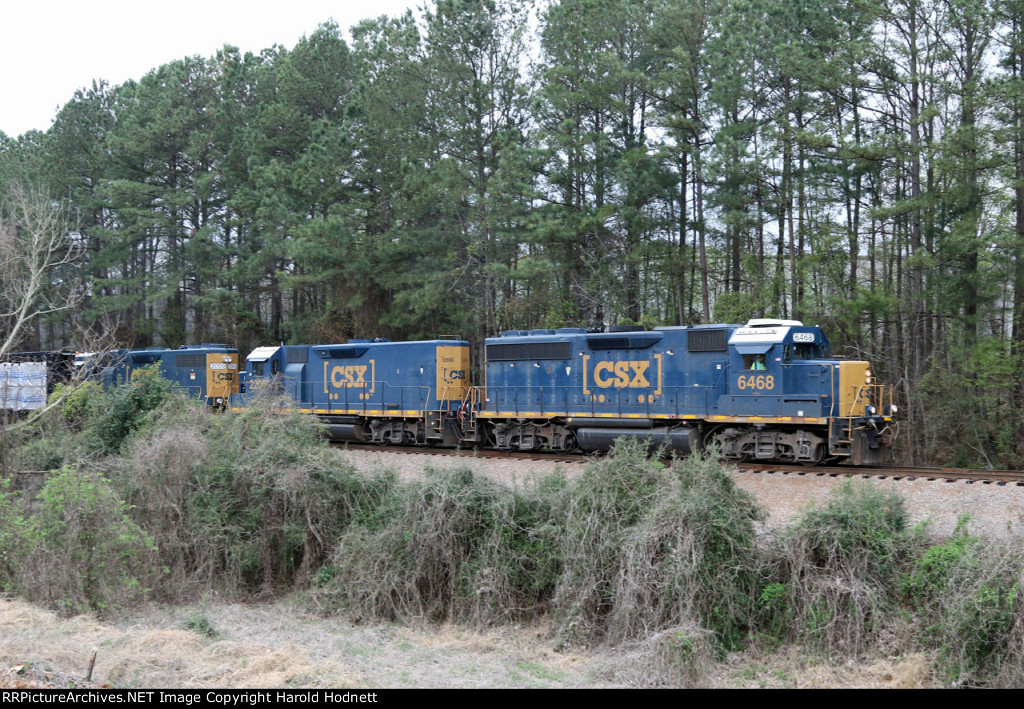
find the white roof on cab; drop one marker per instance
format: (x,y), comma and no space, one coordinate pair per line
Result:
(769,322)
(261,354)
(763,331)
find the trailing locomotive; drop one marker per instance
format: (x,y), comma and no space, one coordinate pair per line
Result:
(403,393)
(209,372)
(767,390)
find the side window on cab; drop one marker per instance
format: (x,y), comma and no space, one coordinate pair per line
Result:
(800,351)
(754,362)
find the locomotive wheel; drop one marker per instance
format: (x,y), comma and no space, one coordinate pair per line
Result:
(819,457)
(571,444)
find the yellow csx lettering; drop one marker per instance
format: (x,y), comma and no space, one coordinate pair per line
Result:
(621,374)
(350,377)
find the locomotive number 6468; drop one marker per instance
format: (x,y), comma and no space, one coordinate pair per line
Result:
(755,381)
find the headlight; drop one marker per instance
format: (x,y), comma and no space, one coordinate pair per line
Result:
(871,410)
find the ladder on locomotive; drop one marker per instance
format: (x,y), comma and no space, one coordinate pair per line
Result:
(465,413)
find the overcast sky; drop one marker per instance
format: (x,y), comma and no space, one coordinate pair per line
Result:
(50,49)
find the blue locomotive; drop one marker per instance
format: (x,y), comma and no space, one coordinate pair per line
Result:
(411,393)
(208,371)
(767,390)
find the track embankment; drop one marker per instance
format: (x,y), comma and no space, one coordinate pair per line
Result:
(938,496)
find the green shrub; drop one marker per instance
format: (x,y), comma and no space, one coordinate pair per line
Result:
(241,502)
(42,451)
(124,409)
(80,399)
(648,548)
(457,547)
(14,541)
(50,441)
(859,521)
(85,553)
(929,578)
(596,514)
(967,593)
(832,580)
(775,606)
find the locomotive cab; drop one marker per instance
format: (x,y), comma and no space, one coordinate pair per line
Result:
(782,373)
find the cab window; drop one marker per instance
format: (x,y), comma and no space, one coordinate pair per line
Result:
(754,362)
(801,351)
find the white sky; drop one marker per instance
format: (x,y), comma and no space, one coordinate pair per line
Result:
(50,49)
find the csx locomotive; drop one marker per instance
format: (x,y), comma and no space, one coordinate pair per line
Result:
(209,372)
(769,390)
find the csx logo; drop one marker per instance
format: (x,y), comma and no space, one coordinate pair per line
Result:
(632,374)
(453,374)
(350,377)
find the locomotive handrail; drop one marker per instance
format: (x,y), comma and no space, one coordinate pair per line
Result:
(832,404)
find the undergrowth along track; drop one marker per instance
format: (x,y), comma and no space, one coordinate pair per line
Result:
(985,477)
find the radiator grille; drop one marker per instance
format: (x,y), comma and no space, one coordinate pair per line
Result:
(706,341)
(522,351)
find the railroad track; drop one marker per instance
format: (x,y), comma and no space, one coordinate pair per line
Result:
(985,477)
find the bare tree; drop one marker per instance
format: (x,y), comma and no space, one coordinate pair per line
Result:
(38,250)
(36,247)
